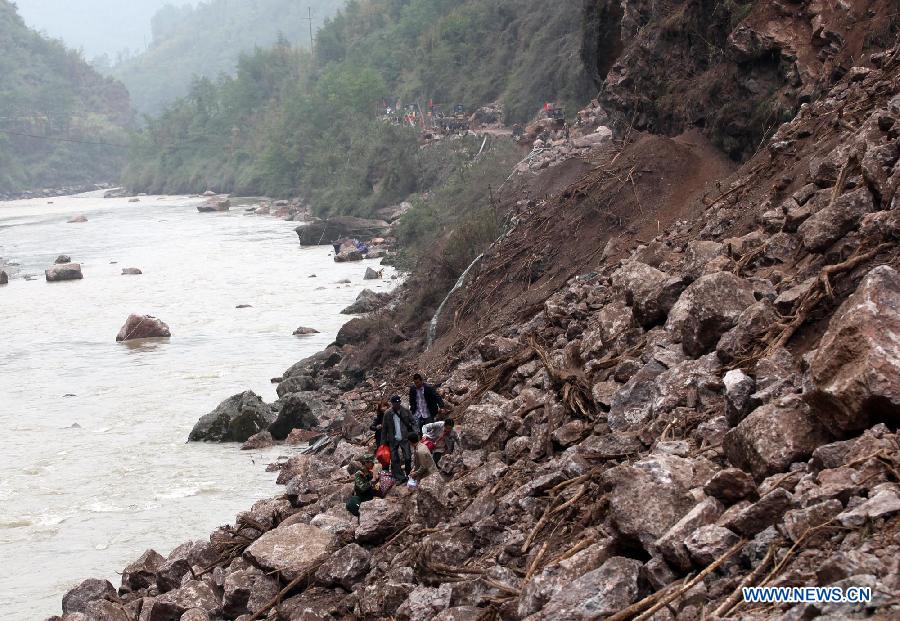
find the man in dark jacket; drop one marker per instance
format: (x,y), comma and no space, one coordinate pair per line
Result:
(424,402)
(395,428)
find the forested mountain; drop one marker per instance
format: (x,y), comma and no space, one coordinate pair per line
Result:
(291,124)
(207,39)
(55,113)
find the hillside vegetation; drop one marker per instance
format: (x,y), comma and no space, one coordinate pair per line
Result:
(207,41)
(291,124)
(51,102)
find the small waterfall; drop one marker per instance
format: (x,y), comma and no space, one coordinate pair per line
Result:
(432,327)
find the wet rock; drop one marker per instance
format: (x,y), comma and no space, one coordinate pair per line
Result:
(143,327)
(4,278)
(345,567)
(141,574)
(247,591)
(63,259)
(379,519)
(293,550)
(650,292)
(296,413)
(707,309)
(372,274)
(596,594)
(827,226)
(647,498)
(235,420)
(77,220)
(67,271)
(774,436)
(301,331)
(259,441)
(367,302)
(77,599)
(131,271)
(731,485)
(855,373)
(708,543)
(194,594)
(756,517)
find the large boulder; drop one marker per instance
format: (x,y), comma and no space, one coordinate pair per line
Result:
(66,271)
(855,373)
(320,232)
(77,599)
(141,574)
(193,594)
(4,278)
(295,413)
(367,302)
(235,420)
(292,550)
(143,327)
(827,226)
(596,594)
(707,309)
(649,497)
(379,519)
(485,428)
(345,567)
(247,591)
(774,436)
(650,292)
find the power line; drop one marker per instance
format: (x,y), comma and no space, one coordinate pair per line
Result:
(72,140)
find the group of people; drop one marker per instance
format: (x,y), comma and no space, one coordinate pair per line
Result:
(410,443)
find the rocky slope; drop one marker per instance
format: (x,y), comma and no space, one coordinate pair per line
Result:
(672,379)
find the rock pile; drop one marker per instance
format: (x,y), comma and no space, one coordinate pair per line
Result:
(716,408)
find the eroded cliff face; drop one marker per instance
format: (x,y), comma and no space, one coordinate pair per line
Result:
(735,70)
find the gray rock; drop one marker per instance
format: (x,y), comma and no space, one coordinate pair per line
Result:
(738,388)
(755,518)
(143,327)
(296,413)
(235,420)
(798,521)
(731,485)
(291,550)
(707,309)
(77,599)
(63,259)
(172,605)
(882,505)
(650,292)
(131,271)
(367,302)
(247,591)
(774,436)
(141,574)
(379,519)
(708,543)
(855,372)
(829,224)
(672,544)
(259,441)
(67,271)
(345,567)
(596,594)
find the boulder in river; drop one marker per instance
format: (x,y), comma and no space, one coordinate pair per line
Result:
(143,327)
(63,259)
(4,278)
(321,232)
(236,419)
(259,441)
(92,589)
(131,271)
(67,271)
(350,256)
(296,413)
(301,331)
(215,205)
(366,302)
(77,220)
(373,275)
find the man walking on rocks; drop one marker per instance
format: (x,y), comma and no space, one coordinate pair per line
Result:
(424,402)
(395,429)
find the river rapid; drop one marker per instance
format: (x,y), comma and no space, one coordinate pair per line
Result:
(94,467)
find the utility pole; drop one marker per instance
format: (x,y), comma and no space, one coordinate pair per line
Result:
(310,20)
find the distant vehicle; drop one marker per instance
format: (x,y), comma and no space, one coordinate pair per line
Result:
(458,123)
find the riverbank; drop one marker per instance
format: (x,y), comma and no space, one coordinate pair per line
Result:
(657,405)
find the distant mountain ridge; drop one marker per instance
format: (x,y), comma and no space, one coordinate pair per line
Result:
(208,39)
(61,122)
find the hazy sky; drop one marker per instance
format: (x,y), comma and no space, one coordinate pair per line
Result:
(96,26)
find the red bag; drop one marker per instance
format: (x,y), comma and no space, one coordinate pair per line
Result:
(383,455)
(427,442)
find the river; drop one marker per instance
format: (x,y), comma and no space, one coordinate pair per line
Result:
(94,467)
